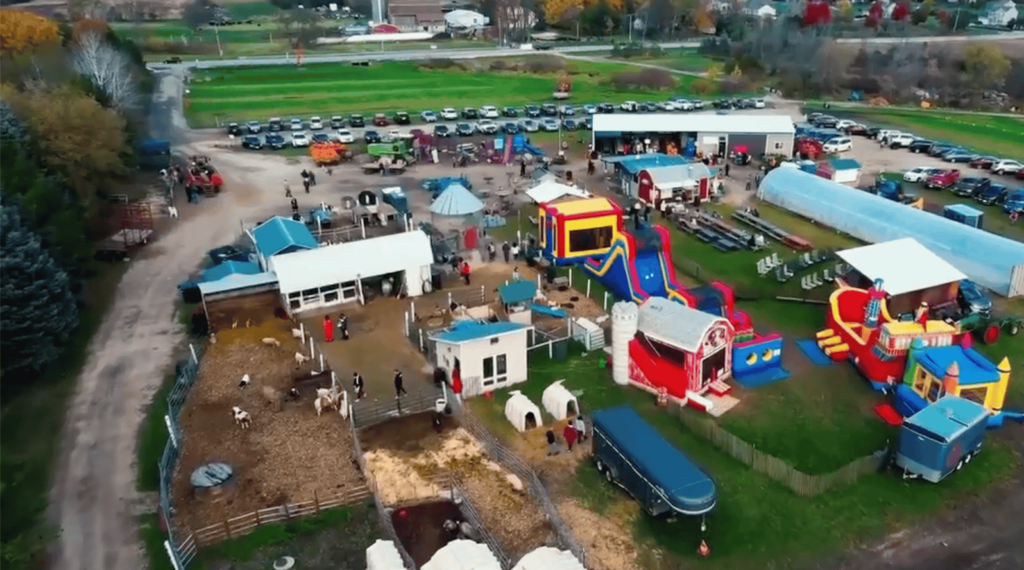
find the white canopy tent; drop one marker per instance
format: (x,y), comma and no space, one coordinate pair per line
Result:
(903,265)
(523,413)
(550,190)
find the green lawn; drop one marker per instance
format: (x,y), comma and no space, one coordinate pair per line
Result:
(690,61)
(330,89)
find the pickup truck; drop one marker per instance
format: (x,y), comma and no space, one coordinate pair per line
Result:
(941,438)
(893,190)
(942,180)
(970,186)
(632,454)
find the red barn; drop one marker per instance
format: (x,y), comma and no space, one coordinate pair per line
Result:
(683,181)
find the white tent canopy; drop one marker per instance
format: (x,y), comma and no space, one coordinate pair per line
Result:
(558,401)
(382,555)
(519,410)
(463,555)
(903,265)
(548,558)
(550,190)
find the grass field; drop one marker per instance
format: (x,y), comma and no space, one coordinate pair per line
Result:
(331,89)
(690,61)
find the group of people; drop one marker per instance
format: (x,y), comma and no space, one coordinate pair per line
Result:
(359,385)
(511,251)
(342,324)
(575,431)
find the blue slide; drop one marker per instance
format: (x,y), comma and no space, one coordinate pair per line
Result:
(532,150)
(648,265)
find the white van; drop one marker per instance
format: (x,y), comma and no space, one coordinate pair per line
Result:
(838,144)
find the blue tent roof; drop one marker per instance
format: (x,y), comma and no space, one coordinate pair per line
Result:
(844,163)
(974,367)
(471,330)
(688,489)
(988,259)
(948,417)
(456,200)
(517,291)
(280,235)
(222,270)
(634,164)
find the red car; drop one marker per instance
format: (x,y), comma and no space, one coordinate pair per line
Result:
(983,162)
(1020,174)
(943,179)
(380,120)
(809,148)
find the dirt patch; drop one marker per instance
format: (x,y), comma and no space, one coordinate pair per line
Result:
(576,303)
(421,528)
(607,539)
(286,456)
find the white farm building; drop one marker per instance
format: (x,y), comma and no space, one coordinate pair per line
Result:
(488,356)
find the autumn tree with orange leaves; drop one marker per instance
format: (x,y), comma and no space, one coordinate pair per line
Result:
(23,31)
(555,9)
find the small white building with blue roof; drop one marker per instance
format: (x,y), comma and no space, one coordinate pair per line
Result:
(489,356)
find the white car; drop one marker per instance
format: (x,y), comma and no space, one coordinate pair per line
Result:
(590,109)
(759,103)
(529,126)
(315,124)
(296,125)
(1006,167)
(844,124)
(489,112)
(884,135)
(299,139)
(549,124)
(449,114)
(567,111)
(629,106)
(346,136)
(486,126)
(668,106)
(838,144)
(918,173)
(683,104)
(428,116)
(901,140)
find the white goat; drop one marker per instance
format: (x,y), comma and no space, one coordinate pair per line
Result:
(296,333)
(325,400)
(172,212)
(244,382)
(242,418)
(271,341)
(300,359)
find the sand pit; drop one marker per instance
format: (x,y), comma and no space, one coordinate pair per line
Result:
(608,543)
(285,457)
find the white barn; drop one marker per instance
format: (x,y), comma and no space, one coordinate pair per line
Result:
(489,356)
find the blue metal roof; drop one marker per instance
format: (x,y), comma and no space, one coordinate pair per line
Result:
(688,489)
(947,418)
(844,164)
(467,331)
(965,210)
(278,234)
(635,163)
(222,270)
(237,282)
(456,200)
(517,291)
(975,369)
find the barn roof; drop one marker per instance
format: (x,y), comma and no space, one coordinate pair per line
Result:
(278,234)
(675,324)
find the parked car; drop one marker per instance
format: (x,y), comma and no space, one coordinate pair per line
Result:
(295,125)
(487,126)
(274,142)
(449,114)
(589,109)
(587,123)
(321,138)
(992,195)
(567,111)
(234,129)
(428,116)
(529,125)
(1006,167)
(942,179)
(939,148)
(827,123)
(299,140)
(920,145)
(549,110)
(532,111)
(983,162)
(759,103)
(684,104)
(337,122)
(972,299)
(901,140)
(470,113)
(605,108)
(967,187)
(510,112)
(345,136)
(919,173)
(570,124)
(489,112)
(442,131)
(1014,203)
(629,106)
(844,124)
(698,104)
(1020,174)
(942,154)
(857,129)
(647,107)
(873,133)
(510,128)
(402,118)
(549,124)
(668,106)
(380,120)
(464,129)
(727,104)
(356,121)
(885,136)
(274,125)
(252,142)
(316,124)
(371,137)
(959,156)
(838,144)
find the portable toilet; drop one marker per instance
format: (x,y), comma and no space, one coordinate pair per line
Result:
(396,197)
(808,166)
(964,214)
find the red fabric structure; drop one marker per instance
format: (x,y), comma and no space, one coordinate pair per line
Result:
(817,13)
(328,329)
(901,12)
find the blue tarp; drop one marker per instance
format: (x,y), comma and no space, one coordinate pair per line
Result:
(281,235)
(633,164)
(517,292)
(471,330)
(549,311)
(230,268)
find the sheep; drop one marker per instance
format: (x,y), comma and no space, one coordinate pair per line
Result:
(273,397)
(297,333)
(244,382)
(329,399)
(242,418)
(300,359)
(172,211)
(213,338)
(271,341)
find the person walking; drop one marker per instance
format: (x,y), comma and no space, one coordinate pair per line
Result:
(358,386)
(305,174)
(515,251)
(312,178)
(305,184)
(295,206)
(507,250)
(464,271)
(522,169)
(581,428)
(552,442)
(569,433)
(399,389)
(343,326)
(590,168)
(491,252)
(328,329)
(726,169)
(287,190)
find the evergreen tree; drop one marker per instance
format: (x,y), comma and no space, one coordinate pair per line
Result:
(37,309)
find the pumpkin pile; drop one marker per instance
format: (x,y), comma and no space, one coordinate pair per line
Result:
(327,153)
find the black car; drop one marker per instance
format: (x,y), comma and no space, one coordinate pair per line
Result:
(470,113)
(570,124)
(648,107)
(234,129)
(939,148)
(549,110)
(464,129)
(442,131)
(972,299)
(510,128)
(274,125)
(510,112)
(726,104)
(827,123)
(402,118)
(872,133)
(252,142)
(228,253)
(531,111)
(356,121)
(274,142)
(371,137)
(606,108)
(921,145)
(969,186)
(992,195)
(321,138)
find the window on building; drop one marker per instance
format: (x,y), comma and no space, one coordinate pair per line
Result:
(934,390)
(331,297)
(779,146)
(590,239)
(501,364)
(489,367)
(920,381)
(977,395)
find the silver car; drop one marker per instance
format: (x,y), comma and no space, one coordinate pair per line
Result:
(529,126)
(549,124)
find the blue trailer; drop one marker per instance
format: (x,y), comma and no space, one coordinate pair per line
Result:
(941,438)
(632,454)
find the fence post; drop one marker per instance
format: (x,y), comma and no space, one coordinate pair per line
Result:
(538,280)
(412,311)
(449,300)
(570,277)
(407,323)
(421,339)
(312,351)
(302,331)
(483,294)
(287,514)
(588,287)
(316,501)
(195,358)
(321,362)
(606,301)
(257,517)
(227,529)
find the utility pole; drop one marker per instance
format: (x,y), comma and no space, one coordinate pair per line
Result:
(629,20)
(216,32)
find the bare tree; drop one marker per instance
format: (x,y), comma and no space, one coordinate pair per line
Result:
(108,69)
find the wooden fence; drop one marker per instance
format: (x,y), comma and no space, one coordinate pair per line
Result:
(799,482)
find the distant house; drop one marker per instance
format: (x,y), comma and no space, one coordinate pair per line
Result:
(1000,13)
(465,19)
(760,9)
(417,15)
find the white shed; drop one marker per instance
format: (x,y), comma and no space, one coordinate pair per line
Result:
(334,274)
(559,402)
(383,555)
(523,413)
(463,555)
(489,356)
(548,558)
(465,19)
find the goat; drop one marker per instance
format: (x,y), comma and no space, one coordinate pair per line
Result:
(172,212)
(328,399)
(297,333)
(271,341)
(244,382)
(462,530)
(241,418)
(234,324)
(300,359)
(213,338)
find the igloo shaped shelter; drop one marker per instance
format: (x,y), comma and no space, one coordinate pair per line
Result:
(523,413)
(463,555)
(559,402)
(383,555)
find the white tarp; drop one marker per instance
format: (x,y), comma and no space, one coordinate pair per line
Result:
(382,555)
(519,408)
(903,265)
(463,555)
(557,399)
(550,190)
(548,558)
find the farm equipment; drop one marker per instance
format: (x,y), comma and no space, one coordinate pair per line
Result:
(465,153)
(203,176)
(134,223)
(385,165)
(989,329)
(395,149)
(331,153)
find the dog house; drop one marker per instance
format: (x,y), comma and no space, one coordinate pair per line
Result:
(383,555)
(523,413)
(559,402)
